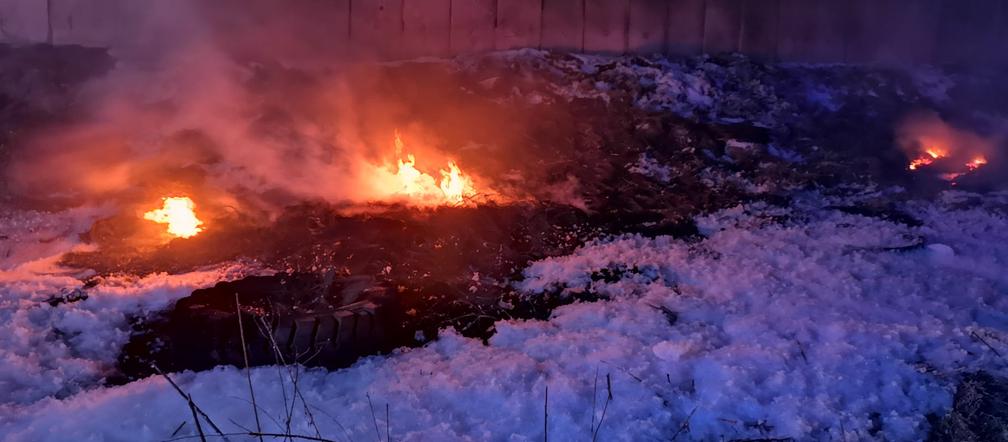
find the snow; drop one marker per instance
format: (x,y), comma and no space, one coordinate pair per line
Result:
(797,321)
(48,350)
(650,167)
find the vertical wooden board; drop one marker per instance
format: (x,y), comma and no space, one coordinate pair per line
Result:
(722,26)
(892,31)
(759,28)
(518,24)
(376,28)
(426,27)
(968,32)
(1001,56)
(472,25)
(563,25)
(326,27)
(302,31)
(686,26)
(648,19)
(812,30)
(605,27)
(24,21)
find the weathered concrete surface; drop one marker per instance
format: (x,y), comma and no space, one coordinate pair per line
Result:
(563,24)
(518,24)
(812,30)
(426,27)
(647,27)
(472,25)
(606,26)
(376,28)
(758,36)
(722,26)
(686,26)
(24,21)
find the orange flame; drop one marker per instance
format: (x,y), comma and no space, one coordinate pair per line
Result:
(975,163)
(178,212)
(454,188)
(924,160)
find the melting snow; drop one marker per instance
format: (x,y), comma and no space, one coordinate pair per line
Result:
(797,321)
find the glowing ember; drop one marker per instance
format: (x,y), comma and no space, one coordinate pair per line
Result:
(178,213)
(931,155)
(975,163)
(453,188)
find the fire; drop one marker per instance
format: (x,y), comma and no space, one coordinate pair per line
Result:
(414,182)
(454,188)
(924,160)
(454,184)
(975,163)
(178,213)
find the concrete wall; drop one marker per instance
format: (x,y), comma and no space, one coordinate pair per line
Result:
(859,31)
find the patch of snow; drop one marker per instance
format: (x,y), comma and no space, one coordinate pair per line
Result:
(788,322)
(650,167)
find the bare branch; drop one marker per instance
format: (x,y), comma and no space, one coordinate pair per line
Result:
(248,373)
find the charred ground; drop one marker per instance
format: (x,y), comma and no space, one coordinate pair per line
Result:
(601,147)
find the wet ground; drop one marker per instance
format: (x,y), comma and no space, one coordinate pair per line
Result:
(582,149)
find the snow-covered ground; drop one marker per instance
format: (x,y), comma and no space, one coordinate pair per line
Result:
(800,321)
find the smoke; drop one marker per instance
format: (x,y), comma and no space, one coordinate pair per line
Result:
(924,130)
(950,151)
(239,104)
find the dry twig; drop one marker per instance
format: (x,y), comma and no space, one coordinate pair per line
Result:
(192,405)
(248,373)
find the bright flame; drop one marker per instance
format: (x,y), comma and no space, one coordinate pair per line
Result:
(414,182)
(454,187)
(924,160)
(177,212)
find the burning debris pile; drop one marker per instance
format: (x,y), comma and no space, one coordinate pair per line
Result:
(563,172)
(381,207)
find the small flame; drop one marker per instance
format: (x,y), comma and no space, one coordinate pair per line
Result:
(178,213)
(454,187)
(975,163)
(924,160)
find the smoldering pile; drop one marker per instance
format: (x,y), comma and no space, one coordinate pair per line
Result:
(581,147)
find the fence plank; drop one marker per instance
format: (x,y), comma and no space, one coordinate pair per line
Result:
(519,24)
(893,31)
(968,32)
(759,29)
(472,25)
(686,26)
(812,30)
(376,28)
(563,24)
(648,21)
(722,26)
(426,27)
(605,28)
